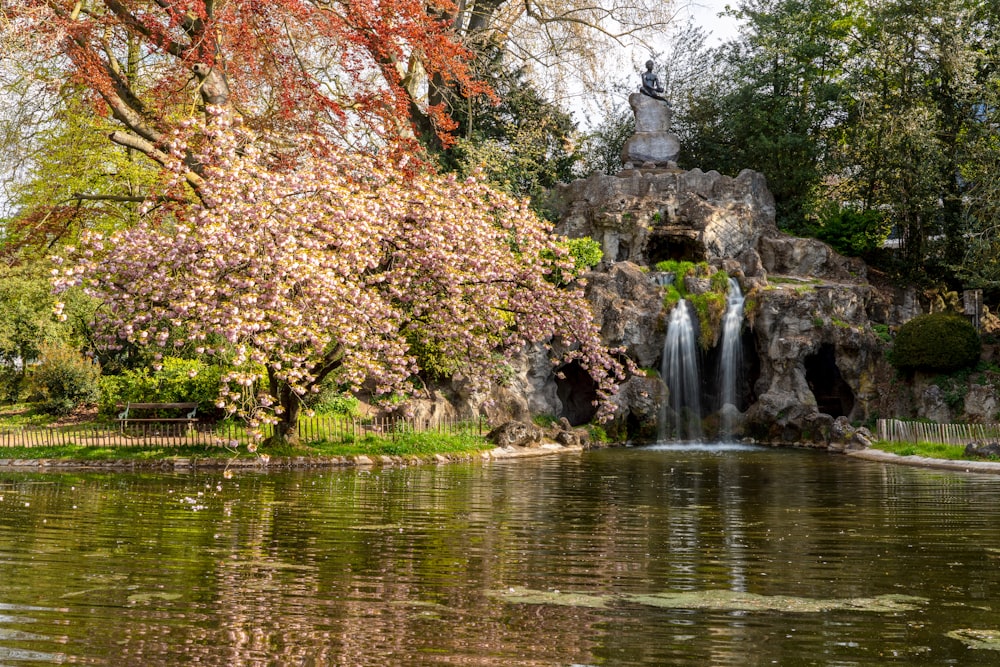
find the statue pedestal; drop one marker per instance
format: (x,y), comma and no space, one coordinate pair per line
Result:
(653,142)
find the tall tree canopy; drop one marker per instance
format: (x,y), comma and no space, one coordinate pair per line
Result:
(339,67)
(864,116)
(570,47)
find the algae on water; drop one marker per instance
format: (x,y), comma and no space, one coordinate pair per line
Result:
(725,600)
(519,595)
(715,600)
(981,639)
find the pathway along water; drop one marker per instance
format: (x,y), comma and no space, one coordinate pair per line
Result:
(651,556)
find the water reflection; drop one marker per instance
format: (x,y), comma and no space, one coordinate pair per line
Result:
(718,447)
(403,566)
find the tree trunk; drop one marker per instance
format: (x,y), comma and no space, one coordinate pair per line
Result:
(286,431)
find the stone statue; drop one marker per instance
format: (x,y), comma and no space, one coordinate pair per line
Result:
(651,84)
(653,145)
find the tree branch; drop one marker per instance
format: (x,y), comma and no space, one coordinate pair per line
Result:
(172,47)
(80,196)
(150,150)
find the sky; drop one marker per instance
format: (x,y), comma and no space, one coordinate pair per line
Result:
(588,110)
(705,13)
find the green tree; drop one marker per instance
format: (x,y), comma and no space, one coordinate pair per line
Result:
(76,180)
(27,323)
(602,145)
(775,91)
(520,140)
(908,142)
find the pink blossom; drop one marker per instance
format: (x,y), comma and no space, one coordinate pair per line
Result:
(330,269)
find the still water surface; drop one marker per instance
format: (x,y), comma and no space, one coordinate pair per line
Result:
(655,556)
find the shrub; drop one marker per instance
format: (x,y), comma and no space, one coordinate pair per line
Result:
(11,384)
(940,342)
(710,306)
(679,268)
(332,400)
(850,231)
(585,252)
(63,379)
(177,381)
(598,434)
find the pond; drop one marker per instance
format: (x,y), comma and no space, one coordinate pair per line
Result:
(645,556)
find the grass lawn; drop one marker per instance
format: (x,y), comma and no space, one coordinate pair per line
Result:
(934,450)
(412,444)
(322,444)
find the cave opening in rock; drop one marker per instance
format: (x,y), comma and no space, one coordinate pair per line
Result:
(833,395)
(577,391)
(662,247)
(633,426)
(624,251)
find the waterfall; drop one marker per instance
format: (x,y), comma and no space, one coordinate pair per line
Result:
(730,358)
(679,370)
(662,278)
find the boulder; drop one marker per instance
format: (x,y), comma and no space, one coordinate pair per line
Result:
(981,404)
(567,436)
(932,403)
(629,308)
(515,434)
(863,439)
(727,422)
(983,450)
(808,258)
(637,409)
(845,438)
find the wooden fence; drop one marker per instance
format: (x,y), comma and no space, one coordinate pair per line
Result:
(150,434)
(897,430)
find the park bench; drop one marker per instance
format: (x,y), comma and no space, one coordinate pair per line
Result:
(124,418)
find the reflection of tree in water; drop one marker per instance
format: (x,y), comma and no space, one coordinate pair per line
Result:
(387,573)
(396,566)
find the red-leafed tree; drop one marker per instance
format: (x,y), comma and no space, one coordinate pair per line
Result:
(344,69)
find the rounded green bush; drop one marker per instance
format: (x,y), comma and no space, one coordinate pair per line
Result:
(940,342)
(63,379)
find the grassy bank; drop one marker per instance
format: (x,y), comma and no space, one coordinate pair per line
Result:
(407,444)
(83,436)
(933,450)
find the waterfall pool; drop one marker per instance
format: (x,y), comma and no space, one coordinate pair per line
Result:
(660,555)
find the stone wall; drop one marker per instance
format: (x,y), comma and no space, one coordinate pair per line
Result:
(647,216)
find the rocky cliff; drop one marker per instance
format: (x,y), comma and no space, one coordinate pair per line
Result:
(811,359)
(812,355)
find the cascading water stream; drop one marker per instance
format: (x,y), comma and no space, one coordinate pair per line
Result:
(679,370)
(730,358)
